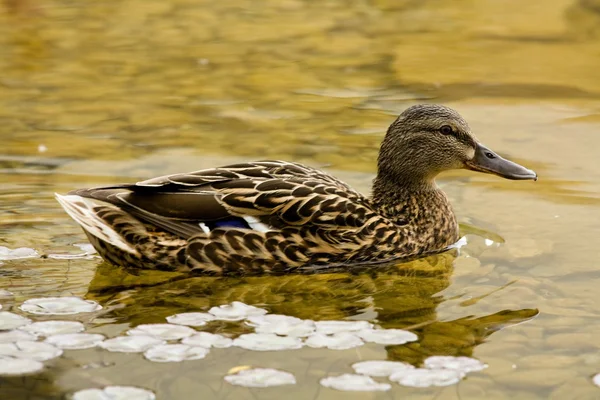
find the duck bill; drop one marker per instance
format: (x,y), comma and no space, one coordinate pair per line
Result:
(485,160)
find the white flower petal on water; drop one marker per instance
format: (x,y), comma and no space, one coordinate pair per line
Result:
(5,294)
(114,393)
(75,341)
(420,377)
(354,383)
(59,305)
(387,336)
(267,342)
(30,350)
(88,248)
(163,331)
(596,379)
(10,366)
(235,311)
(208,340)
(281,325)
(10,320)
(175,353)
(48,328)
(380,368)
(460,364)
(16,335)
(331,327)
(17,254)
(131,344)
(190,319)
(337,341)
(260,378)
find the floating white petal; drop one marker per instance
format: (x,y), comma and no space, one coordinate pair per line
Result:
(48,328)
(30,350)
(461,364)
(59,306)
(387,336)
(206,339)
(261,377)
(175,353)
(596,379)
(267,342)
(354,383)
(88,248)
(75,341)
(131,344)
(190,319)
(235,311)
(420,377)
(10,366)
(380,368)
(15,336)
(338,341)
(163,331)
(10,320)
(114,393)
(5,294)
(17,254)
(331,327)
(281,325)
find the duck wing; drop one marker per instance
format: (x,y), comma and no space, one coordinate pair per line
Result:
(263,196)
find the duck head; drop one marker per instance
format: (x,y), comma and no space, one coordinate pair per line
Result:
(427,139)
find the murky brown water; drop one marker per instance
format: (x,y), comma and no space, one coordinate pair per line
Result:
(103,92)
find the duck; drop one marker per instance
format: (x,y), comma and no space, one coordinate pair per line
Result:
(276,217)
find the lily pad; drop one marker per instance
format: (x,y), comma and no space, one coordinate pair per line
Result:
(11,366)
(59,306)
(114,393)
(191,319)
(380,368)
(420,377)
(337,341)
(131,344)
(48,328)
(281,325)
(10,320)
(261,378)
(235,311)
(30,350)
(15,335)
(354,383)
(267,342)
(163,331)
(387,336)
(208,340)
(175,353)
(331,327)
(460,364)
(17,254)
(75,341)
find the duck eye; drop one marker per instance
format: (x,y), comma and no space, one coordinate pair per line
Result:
(446,130)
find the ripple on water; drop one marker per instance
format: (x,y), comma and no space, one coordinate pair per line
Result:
(59,306)
(354,383)
(114,393)
(260,378)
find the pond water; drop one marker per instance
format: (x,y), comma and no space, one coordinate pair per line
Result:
(94,93)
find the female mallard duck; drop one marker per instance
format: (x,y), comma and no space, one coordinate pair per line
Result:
(276,216)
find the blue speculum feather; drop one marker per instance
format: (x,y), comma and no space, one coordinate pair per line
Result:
(228,223)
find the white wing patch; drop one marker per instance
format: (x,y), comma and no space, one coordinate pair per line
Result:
(82,211)
(204,228)
(256,224)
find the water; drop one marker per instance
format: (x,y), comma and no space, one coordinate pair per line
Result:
(108,92)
